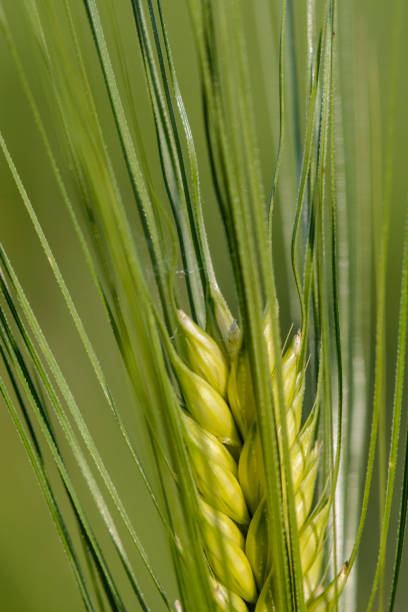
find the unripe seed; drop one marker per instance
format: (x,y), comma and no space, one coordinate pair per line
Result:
(299,453)
(311,537)
(267,333)
(304,493)
(205,356)
(296,405)
(312,575)
(207,406)
(219,487)
(208,444)
(266,601)
(293,417)
(230,565)
(289,374)
(256,546)
(326,601)
(293,391)
(240,392)
(233,339)
(225,600)
(220,523)
(250,469)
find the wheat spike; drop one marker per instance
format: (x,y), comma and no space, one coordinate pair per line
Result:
(224,445)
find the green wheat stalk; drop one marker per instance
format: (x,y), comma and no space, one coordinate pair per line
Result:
(248,437)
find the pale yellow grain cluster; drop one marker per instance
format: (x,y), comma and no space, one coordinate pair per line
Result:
(225,449)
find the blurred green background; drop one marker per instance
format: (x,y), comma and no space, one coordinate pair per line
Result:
(34,575)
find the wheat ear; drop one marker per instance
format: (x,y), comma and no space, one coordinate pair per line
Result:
(224,445)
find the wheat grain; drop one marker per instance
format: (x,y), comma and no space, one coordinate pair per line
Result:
(224,445)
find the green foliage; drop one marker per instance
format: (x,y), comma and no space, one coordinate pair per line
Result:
(298,213)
